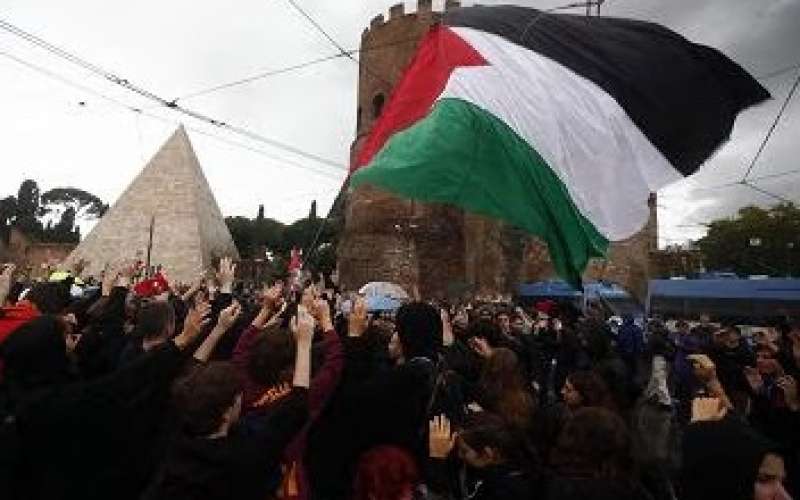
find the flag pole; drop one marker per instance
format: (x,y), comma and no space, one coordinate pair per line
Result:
(150,245)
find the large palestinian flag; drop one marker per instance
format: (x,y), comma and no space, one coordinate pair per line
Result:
(559,124)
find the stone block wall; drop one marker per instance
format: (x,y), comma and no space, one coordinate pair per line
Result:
(189,232)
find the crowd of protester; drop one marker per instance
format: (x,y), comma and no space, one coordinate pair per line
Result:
(146,390)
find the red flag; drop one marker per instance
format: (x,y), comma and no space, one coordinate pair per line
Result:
(296,260)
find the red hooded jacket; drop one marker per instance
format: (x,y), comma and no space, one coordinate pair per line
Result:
(13,317)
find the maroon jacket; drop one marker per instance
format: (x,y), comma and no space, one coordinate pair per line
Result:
(323,384)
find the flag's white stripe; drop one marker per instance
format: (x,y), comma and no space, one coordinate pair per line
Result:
(607,164)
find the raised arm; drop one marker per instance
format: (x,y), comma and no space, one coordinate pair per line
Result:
(227,317)
(329,374)
(5,282)
(291,414)
(270,307)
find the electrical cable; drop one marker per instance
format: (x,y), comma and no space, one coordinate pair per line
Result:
(336,45)
(171,104)
(766,193)
(288,69)
(772,127)
(34,67)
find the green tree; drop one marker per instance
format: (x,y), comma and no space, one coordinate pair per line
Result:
(83,204)
(28,208)
(252,236)
(755,241)
(8,210)
(241,229)
(64,231)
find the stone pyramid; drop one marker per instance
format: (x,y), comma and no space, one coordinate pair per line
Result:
(188,229)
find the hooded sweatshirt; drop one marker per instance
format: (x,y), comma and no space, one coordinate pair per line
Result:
(13,317)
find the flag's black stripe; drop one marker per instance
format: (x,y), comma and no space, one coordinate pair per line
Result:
(683,96)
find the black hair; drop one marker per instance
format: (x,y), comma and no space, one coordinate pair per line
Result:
(487,430)
(486,329)
(594,443)
(153,318)
(419,329)
(34,356)
(51,297)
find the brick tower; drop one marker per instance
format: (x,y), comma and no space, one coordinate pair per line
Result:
(440,249)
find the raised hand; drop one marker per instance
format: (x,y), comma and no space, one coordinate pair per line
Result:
(321,311)
(440,437)
(272,296)
(110,278)
(708,409)
(309,296)
(195,321)
(704,368)
(788,385)
(357,322)
(229,315)
(447,328)
(5,281)
(225,274)
(195,286)
(303,327)
(481,346)
(124,274)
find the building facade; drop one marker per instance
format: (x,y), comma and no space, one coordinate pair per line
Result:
(32,258)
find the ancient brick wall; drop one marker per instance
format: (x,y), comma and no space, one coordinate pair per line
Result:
(442,250)
(31,257)
(629,262)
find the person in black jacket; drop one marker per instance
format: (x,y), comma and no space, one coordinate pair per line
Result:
(375,407)
(723,458)
(155,324)
(213,458)
(498,463)
(85,440)
(731,355)
(104,338)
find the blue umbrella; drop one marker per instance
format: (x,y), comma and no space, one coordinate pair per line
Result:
(382,303)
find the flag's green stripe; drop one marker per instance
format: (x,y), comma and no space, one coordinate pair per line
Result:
(462,155)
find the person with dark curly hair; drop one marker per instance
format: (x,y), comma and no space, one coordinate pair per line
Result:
(592,459)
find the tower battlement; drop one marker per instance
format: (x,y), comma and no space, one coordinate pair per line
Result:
(398,12)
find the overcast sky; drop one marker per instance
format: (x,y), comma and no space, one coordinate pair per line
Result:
(176,47)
